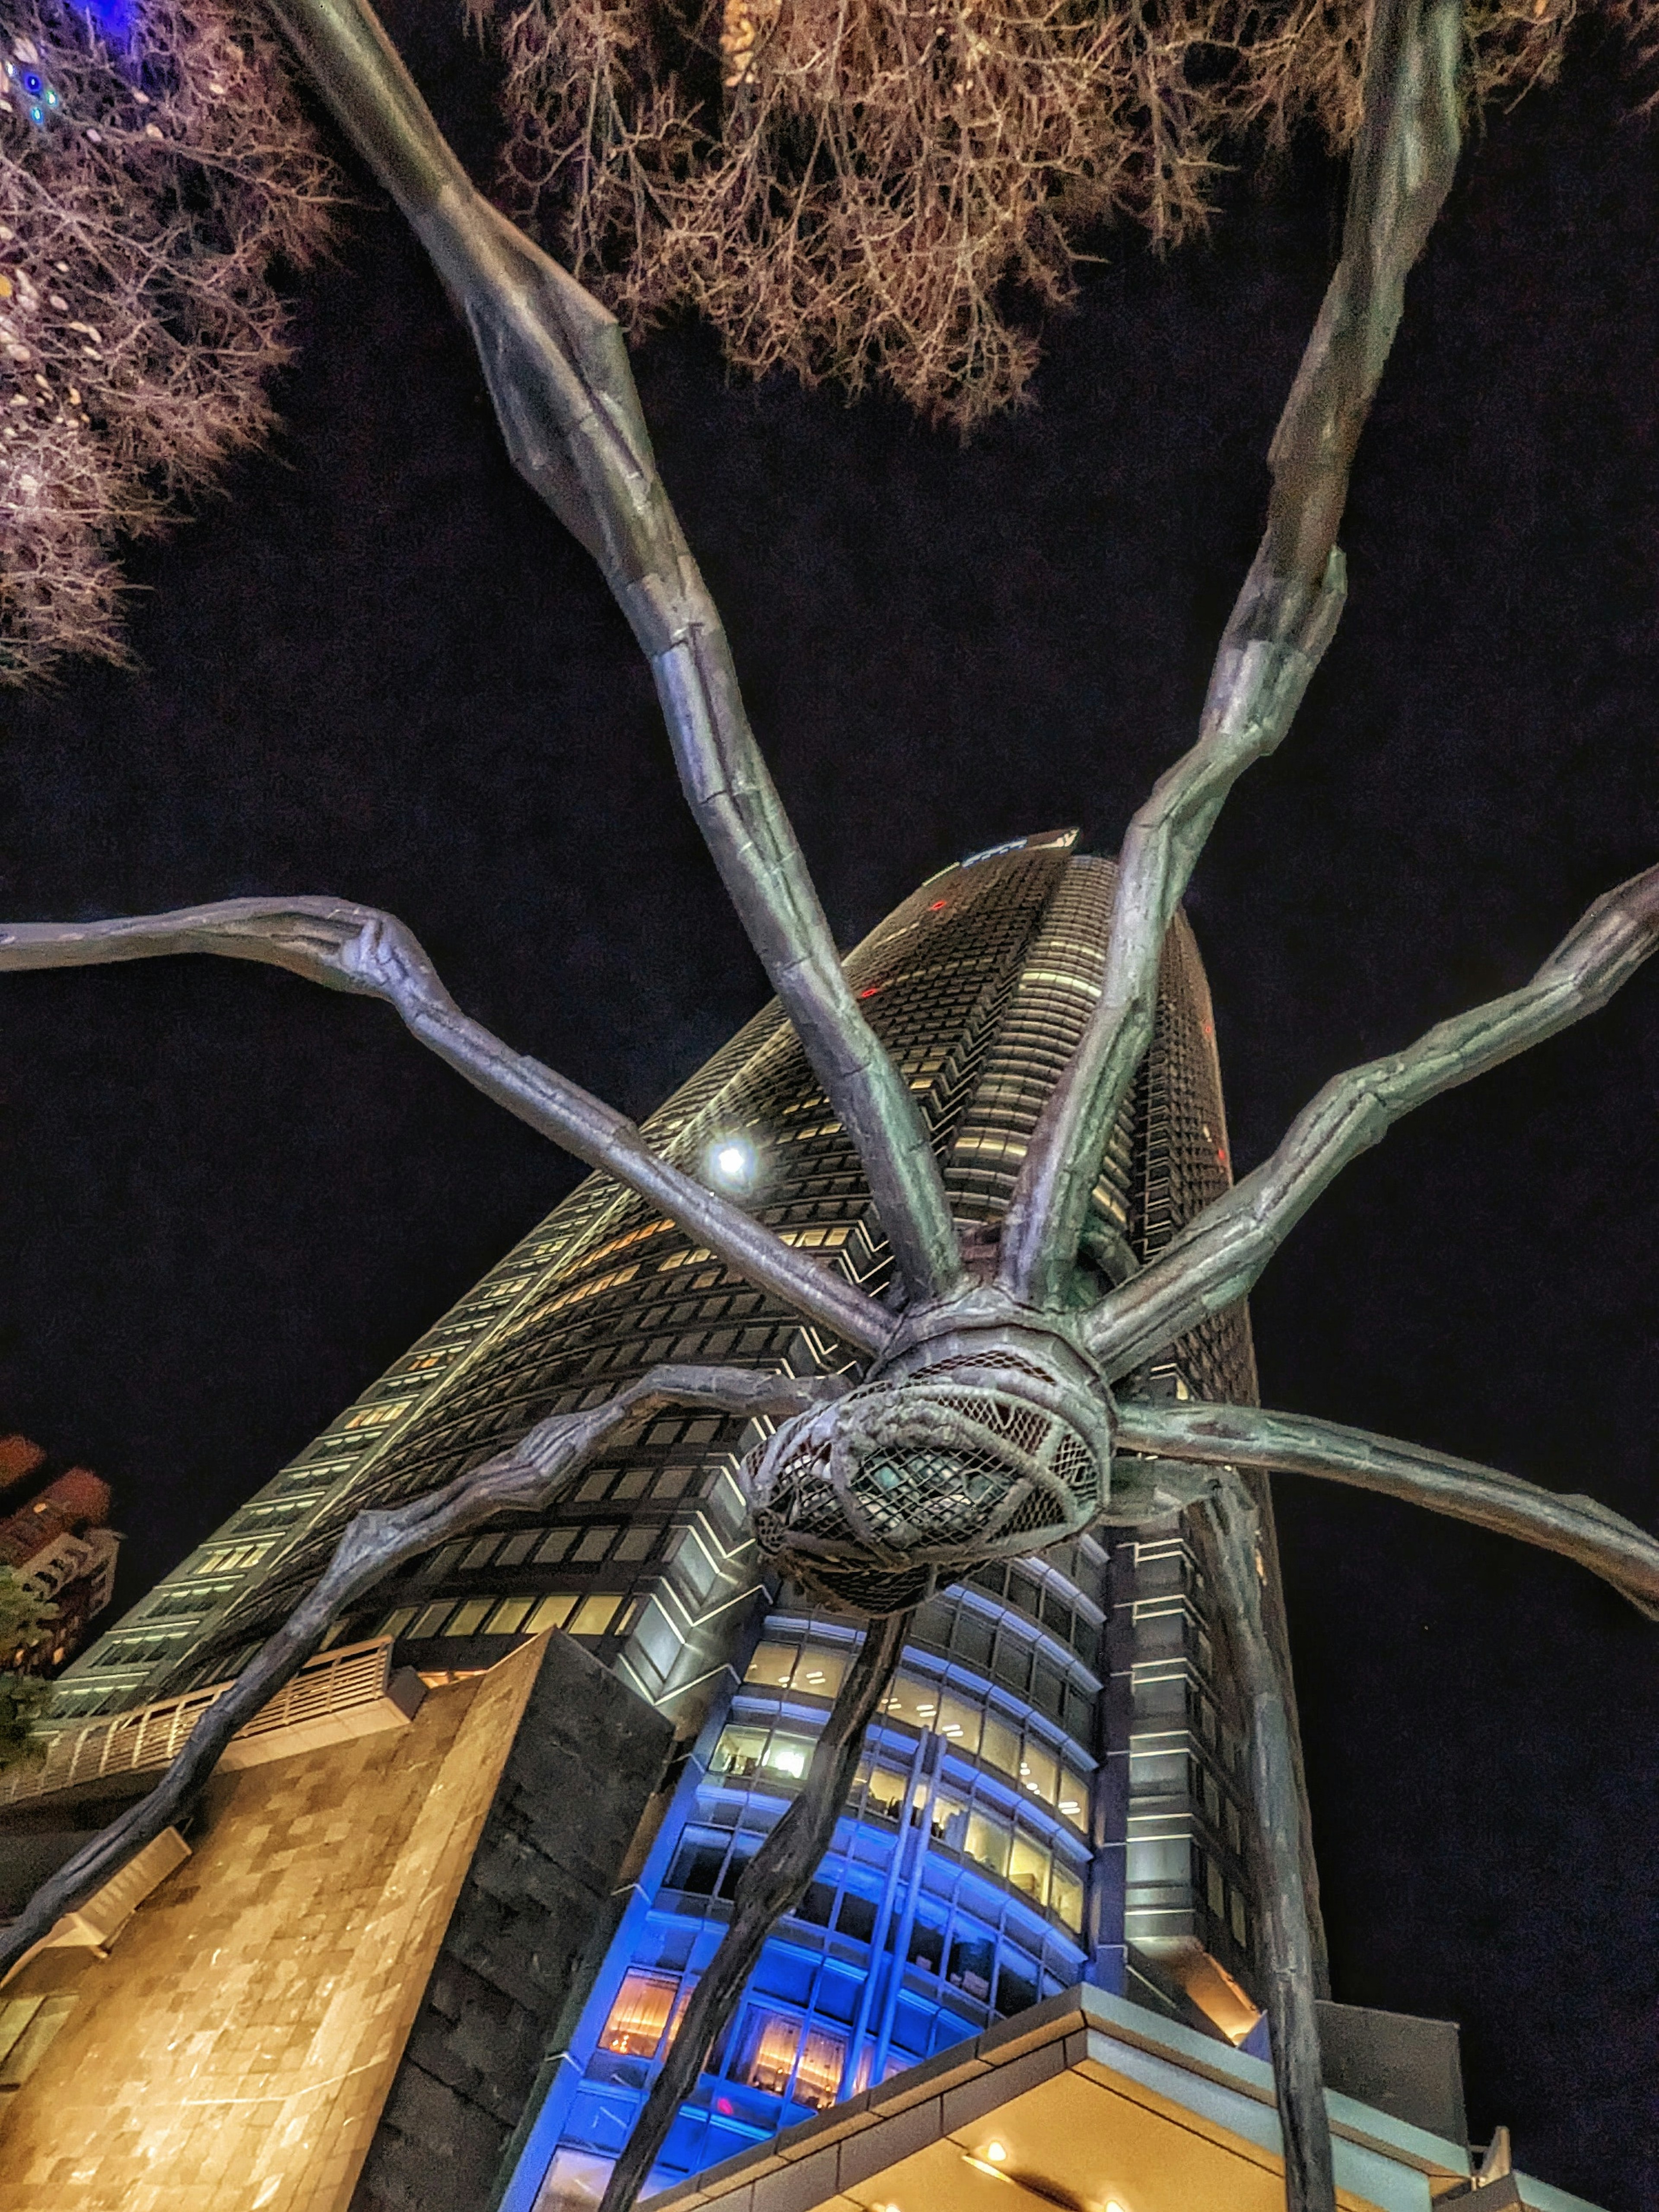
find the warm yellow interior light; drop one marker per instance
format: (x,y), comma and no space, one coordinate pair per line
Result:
(996,2152)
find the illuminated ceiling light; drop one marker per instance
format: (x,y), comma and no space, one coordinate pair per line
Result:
(732,1163)
(997,2153)
(987,2162)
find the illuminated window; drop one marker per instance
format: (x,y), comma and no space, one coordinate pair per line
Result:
(552,1613)
(1039,1772)
(820,1672)
(594,1615)
(634,2029)
(737,1754)
(467,1618)
(769,2046)
(1074,1799)
(431,1620)
(817,2077)
(950,1822)
(1000,1745)
(988,1842)
(1066,1898)
(772,1665)
(1027,1869)
(788,1756)
(958,1723)
(595,1543)
(509,1616)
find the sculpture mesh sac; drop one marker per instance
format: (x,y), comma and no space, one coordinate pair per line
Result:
(906,1481)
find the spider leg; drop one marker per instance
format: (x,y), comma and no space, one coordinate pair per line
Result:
(355,948)
(774,1883)
(1216,1258)
(1227,1525)
(1280,625)
(527,1476)
(1292,1444)
(564,396)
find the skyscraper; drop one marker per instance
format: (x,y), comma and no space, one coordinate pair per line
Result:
(1051,1795)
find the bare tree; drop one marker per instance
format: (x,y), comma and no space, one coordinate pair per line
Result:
(887,191)
(148,192)
(985,1420)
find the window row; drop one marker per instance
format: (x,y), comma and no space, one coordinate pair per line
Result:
(980,1832)
(969,1727)
(1070,1623)
(597,1615)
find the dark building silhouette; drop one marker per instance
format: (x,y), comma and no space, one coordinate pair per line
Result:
(54,1538)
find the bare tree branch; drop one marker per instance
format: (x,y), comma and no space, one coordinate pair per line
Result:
(1216,1259)
(1228,1530)
(526,1477)
(773,1883)
(1292,1444)
(1284,619)
(358,949)
(558,374)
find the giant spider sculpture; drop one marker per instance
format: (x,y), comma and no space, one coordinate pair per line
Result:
(983,1422)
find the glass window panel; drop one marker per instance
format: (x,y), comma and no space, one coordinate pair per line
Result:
(1039,1772)
(481,1553)
(788,1756)
(509,1616)
(633,1483)
(518,1547)
(1027,1869)
(988,1843)
(857,1917)
(554,1544)
(772,1665)
(950,1822)
(594,1544)
(1066,1898)
(672,1480)
(1074,1799)
(552,1613)
(698,1863)
(817,2077)
(594,1615)
(999,1745)
(592,1486)
(432,1619)
(1017,1981)
(738,1754)
(640,2014)
(958,1722)
(766,2054)
(466,1617)
(820,1671)
(396,1622)
(912,1700)
(885,1799)
(971,1638)
(636,1544)
(925,1948)
(973,1960)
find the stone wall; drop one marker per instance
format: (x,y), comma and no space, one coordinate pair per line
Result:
(574,1806)
(235,2050)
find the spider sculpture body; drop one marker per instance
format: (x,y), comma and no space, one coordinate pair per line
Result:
(984,1419)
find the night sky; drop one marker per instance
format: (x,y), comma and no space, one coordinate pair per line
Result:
(379,669)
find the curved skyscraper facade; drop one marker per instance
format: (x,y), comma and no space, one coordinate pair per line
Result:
(1052,1793)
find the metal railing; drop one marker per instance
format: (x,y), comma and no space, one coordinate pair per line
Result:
(145,1741)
